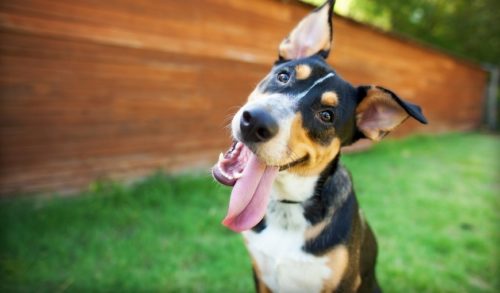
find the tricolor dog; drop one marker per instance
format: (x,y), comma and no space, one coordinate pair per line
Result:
(292,199)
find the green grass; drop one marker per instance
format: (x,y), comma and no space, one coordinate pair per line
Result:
(432,201)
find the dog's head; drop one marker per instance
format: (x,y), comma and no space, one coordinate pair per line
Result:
(298,117)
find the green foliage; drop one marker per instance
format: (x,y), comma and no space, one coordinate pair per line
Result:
(433,204)
(432,201)
(314,2)
(470,29)
(467,28)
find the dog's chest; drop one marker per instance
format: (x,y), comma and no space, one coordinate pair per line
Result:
(277,250)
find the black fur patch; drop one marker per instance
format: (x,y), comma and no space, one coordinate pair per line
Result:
(338,230)
(260,226)
(316,208)
(333,193)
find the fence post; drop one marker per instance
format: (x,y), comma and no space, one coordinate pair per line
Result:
(491,103)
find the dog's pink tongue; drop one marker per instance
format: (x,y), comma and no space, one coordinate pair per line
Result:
(250,195)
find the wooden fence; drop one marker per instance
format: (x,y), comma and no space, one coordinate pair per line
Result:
(116,89)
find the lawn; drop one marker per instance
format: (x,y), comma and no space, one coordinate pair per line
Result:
(432,201)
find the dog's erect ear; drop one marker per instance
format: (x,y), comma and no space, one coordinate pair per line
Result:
(379,111)
(311,36)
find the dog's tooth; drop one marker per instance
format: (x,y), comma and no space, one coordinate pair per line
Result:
(221,156)
(238,175)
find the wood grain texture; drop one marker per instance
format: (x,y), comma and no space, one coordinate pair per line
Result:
(117,89)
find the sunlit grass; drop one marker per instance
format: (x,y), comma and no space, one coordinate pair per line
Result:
(434,204)
(432,201)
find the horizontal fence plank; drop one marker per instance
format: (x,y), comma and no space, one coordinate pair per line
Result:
(117,89)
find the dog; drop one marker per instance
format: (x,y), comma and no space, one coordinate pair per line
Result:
(292,199)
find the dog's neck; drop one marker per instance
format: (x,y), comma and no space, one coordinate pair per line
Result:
(300,202)
(319,195)
(291,188)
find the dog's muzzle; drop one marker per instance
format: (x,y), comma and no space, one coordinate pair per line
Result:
(257,125)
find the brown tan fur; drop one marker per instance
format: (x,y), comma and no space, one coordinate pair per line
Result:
(344,263)
(338,261)
(259,285)
(329,99)
(357,283)
(315,230)
(362,249)
(353,273)
(319,155)
(302,71)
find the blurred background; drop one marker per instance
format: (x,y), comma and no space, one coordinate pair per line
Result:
(112,112)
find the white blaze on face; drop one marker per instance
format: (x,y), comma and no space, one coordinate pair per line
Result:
(282,108)
(321,80)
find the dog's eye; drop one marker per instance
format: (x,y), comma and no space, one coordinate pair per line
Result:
(283,77)
(326,116)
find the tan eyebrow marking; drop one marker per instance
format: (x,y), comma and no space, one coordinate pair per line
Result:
(329,99)
(302,71)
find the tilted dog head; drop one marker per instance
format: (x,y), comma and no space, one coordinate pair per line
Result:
(299,116)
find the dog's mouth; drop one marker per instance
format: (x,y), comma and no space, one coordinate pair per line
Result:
(251,180)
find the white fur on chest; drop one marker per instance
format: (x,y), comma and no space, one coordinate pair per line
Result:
(277,250)
(293,187)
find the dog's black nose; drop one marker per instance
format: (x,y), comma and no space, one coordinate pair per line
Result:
(257,125)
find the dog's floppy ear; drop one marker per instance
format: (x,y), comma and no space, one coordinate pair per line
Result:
(311,36)
(379,111)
